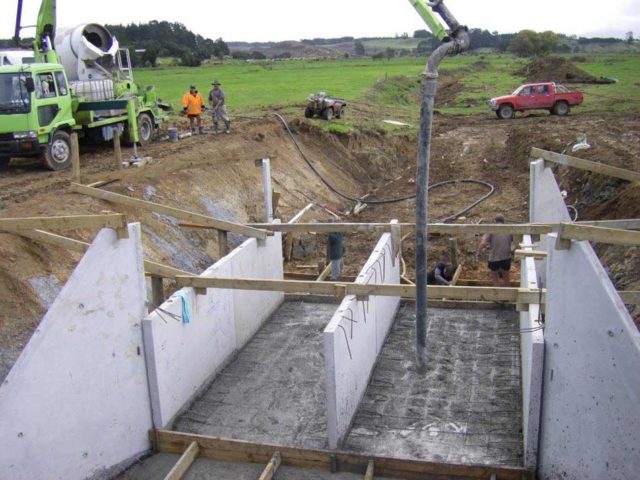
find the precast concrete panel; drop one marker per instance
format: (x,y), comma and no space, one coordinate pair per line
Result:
(590,425)
(76,403)
(354,337)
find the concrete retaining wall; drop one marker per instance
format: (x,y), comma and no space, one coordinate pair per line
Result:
(532,361)
(353,339)
(76,403)
(183,357)
(591,382)
(590,417)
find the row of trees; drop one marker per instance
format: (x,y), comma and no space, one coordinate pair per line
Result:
(167,39)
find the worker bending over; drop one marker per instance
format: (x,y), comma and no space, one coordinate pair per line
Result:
(193,106)
(500,251)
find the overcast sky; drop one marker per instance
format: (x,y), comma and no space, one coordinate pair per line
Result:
(264,20)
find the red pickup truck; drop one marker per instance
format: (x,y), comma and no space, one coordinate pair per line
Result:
(535,96)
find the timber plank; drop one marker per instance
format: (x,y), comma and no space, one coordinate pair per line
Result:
(176,212)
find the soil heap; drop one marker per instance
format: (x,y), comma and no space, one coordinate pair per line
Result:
(557,69)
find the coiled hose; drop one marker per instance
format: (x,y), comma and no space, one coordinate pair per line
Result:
(392,200)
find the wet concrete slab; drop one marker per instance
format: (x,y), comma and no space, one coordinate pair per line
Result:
(273,392)
(466,408)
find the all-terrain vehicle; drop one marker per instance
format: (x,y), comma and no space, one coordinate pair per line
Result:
(324,106)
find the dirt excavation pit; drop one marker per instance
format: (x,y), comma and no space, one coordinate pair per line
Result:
(216,175)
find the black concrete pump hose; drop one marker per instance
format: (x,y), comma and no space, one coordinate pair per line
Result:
(392,200)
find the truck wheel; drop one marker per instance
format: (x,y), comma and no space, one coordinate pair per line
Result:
(505,112)
(308,112)
(560,108)
(57,155)
(145,128)
(340,113)
(327,113)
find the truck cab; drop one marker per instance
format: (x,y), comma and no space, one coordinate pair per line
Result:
(536,96)
(36,114)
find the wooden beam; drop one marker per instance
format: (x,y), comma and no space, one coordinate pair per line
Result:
(175,212)
(240,451)
(514,295)
(432,228)
(630,297)
(272,467)
(71,222)
(456,275)
(151,268)
(117,151)
(588,165)
(368,475)
(184,462)
(624,224)
(614,236)
(325,273)
(537,254)
(288,250)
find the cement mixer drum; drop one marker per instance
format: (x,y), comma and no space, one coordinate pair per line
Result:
(87,52)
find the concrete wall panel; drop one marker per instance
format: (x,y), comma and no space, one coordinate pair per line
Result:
(76,403)
(590,421)
(532,362)
(255,259)
(183,357)
(353,339)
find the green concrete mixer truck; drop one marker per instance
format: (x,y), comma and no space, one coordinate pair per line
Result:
(79,81)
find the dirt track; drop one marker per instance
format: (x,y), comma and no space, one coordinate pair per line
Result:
(216,175)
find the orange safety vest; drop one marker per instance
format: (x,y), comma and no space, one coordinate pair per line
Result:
(193,103)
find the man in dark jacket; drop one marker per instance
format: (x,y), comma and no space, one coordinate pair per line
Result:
(442,274)
(336,253)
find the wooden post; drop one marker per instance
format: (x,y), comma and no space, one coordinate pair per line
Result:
(157,292)
(183,463)
(116,148)
(453,252)
(368,475)
(271,468)
(75,159)
(223,243)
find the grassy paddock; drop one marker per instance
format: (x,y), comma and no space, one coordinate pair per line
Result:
(251,86)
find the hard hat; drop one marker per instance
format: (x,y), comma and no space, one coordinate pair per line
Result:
(216,82)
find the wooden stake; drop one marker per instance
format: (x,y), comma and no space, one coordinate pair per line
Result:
(157,292)
(75,159)
(271,468)
(223,243)
(117,151)
(368,475)
(183,463)
(453,252)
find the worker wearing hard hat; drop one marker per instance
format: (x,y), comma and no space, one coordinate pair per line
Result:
(218,107)
(193,106)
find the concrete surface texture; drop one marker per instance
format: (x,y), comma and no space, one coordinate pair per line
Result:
(354,337)
(532,360)
(76,403)
(273,391)
(159,465)
(465,409)
(590,426)
(182,357)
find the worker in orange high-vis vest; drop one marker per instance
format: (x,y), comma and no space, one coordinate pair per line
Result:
(193,106)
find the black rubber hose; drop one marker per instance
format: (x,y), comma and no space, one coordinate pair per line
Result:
(393,200)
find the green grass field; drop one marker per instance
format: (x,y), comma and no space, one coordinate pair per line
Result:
(251,86)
